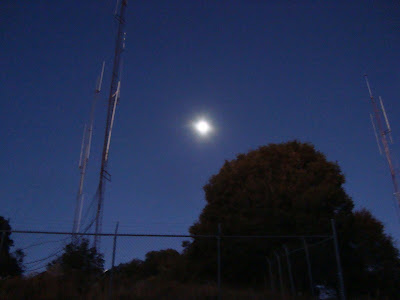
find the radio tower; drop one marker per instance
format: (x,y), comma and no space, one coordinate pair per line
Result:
(112,104)
(384,134)
(84,157)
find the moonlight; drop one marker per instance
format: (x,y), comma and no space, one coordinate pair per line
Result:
(202,127)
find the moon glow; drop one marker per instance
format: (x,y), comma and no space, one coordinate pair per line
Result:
(202,127)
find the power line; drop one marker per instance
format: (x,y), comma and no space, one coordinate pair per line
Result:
(45,258)
(43,243)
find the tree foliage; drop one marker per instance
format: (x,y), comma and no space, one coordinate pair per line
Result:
(79,256)
(289,188)
(371,260)
(278,188)
(166,264)
(11,264)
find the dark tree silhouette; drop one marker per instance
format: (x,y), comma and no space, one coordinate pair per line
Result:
(371,261)
(166,264)
(79,256)
(11,264)
(288,188)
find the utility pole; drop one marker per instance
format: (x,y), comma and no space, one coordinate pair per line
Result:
(110,287)
(112,104)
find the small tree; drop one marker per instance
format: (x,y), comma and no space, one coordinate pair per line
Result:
(11,264)
(164,263)
(78,256)
(133,270)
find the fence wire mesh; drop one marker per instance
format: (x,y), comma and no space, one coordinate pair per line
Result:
(174,267)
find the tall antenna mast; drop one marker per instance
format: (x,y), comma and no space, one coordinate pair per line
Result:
(84,157)
(112,104)
(383,138)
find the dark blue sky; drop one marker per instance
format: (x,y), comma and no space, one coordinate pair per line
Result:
(261,71)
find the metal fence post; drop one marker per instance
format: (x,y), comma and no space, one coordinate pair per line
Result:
(271,279)
(219,262)
(280,273)
(3,237)
(112,263)
(339,265)
(309,267)
(290,271)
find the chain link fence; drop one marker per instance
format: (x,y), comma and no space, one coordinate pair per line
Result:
(144,266)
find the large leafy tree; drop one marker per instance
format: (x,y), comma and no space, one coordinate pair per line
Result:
(11,264)
(288,188)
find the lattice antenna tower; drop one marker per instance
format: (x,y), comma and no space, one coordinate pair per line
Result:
(382,135)
(113,100)
(84,156)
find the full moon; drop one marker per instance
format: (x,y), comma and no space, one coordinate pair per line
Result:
(202,127)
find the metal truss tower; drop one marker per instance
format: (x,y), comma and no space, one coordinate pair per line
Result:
(112,104)
(382,138)
(84,157)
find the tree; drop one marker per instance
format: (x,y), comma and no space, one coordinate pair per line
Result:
(11,264)
(78,256)
(132,270)
(371,261)
(165,264)
(289,188)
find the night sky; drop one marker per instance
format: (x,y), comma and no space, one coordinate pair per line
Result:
(260,71)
